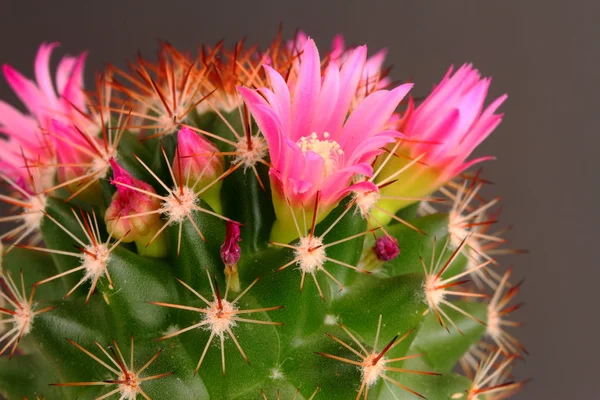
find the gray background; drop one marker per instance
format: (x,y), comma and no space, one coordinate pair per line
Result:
(544,54)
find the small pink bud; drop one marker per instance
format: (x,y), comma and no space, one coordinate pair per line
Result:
(230,250)
(386,248)
(127,201)
(198,159)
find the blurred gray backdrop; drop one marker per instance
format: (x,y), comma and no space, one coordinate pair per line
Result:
(544,54)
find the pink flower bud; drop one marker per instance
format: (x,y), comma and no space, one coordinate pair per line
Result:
(230,250)
(198,159)
(386,248)
(126,202)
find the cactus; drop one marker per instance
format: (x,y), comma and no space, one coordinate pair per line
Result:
(251,224)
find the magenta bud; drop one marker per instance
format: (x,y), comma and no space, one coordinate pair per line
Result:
(198,158)
(128,201)
(386,248)
(230,250)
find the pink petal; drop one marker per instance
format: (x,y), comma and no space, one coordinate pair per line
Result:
(266,120)
(26,90)
(371,116)
(282,93)
(328,98)
(73,91)
(64,71)
(350,75)
(306,91)
(42,71)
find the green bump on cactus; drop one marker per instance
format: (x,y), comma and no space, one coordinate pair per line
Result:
(265,225)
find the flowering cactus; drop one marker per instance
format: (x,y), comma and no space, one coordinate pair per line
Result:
(246,224)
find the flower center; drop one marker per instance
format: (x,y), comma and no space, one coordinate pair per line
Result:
(329,150)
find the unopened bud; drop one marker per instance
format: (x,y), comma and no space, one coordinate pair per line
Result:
(386,248)
(198,166)
(231,253)
(127,202)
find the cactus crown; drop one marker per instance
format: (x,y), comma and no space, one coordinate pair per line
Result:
(250,224)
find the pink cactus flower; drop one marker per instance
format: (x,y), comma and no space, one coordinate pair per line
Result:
(441,134)
(452,122)
(46,100)
(315,145)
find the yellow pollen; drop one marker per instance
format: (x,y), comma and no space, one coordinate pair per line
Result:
(329,150)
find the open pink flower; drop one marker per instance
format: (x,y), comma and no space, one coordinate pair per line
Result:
(314,145)
(452,122)
(45,100)
(441,134)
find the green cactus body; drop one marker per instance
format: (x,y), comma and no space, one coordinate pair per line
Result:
(339,312)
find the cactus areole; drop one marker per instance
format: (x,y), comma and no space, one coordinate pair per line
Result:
(282,223)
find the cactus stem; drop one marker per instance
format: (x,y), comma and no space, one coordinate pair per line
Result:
(219,316)
(21,316)
(128,380)
(94,256)
(233,277)
(436,286)
(295,394)
(373,364)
